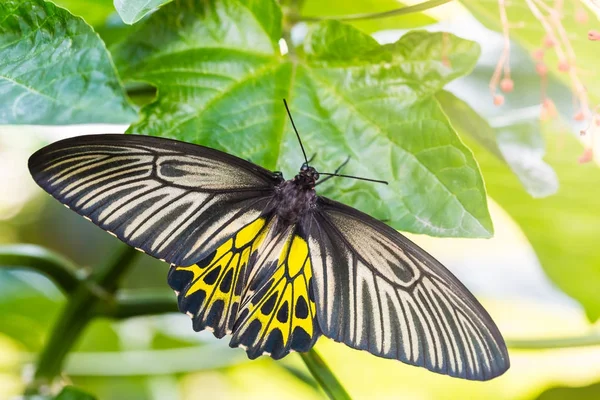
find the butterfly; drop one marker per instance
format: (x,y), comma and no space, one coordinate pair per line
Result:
(267,260)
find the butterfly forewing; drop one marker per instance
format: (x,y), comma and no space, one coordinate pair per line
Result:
(173,200)
(377,291)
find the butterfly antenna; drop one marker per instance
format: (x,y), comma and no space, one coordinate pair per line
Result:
(354,177)
(295,130)
(338,169)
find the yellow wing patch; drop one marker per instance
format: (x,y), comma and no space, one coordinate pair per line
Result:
(210,290)
(280,315)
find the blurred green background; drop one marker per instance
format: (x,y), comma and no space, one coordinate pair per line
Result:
(539,276)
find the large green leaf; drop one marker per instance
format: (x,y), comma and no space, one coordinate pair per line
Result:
(73,393)
(54,69)
(589,392)
(513,131)
(564,228)
(131,11)
(533,33)
(94,12)
(221,81)
(318,8)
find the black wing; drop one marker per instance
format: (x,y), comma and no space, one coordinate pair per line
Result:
(173,200)
(377,291)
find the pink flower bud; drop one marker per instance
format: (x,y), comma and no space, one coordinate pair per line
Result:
(581,16)
(541,69)
(580,116)
(597,121)
(548,41)
(587,156)
(564,66)
(498,100)
(594,35)
(538,54)
(507,85)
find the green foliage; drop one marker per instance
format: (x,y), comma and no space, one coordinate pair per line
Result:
(330,8)
(221,78)
(72,393)
(55,69)
(531,38)
(589,392)
(131,11)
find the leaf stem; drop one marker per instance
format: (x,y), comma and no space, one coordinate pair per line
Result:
(323,375)
(592,339)
(78,312)
(426,5)
(137,303)
(60,270)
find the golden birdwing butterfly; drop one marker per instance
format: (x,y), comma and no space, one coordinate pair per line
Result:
(268,261)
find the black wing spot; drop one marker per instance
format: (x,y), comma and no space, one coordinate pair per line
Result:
(274,343)
(283,313)
(301,308)
(226,282)
(212,276)
(191,303)
(267,308)
(205,262)
(301,340)
(178,279)
(214,315)
(311,295)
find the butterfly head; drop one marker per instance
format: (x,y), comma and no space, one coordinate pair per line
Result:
(307,177)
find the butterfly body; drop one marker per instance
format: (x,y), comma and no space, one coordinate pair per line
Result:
(267,260)
(294,198)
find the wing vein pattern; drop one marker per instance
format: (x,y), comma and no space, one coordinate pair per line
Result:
(377,291)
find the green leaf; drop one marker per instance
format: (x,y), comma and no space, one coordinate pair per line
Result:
(317,8)
(589,392)
(94,12)
(131,11)
(73,393)
(221,78)
(563,229)
(520,144)
(54,69)
(532,36)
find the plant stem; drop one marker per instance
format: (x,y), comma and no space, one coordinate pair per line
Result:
(426,5)
(60,270)
(323,375)
(78,312)
(138,303)
(593,339)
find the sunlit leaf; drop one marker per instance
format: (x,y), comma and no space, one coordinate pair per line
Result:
(316,8)
(563,228)
(94,12)
(54,69)
(519,144)
(73,393)
(131,11)
(221,81)
(589,392)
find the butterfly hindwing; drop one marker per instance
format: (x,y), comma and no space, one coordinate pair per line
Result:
(377,291)
(210,290)
(278,313)
(173,200)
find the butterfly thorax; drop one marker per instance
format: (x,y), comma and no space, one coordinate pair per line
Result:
(295,197)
